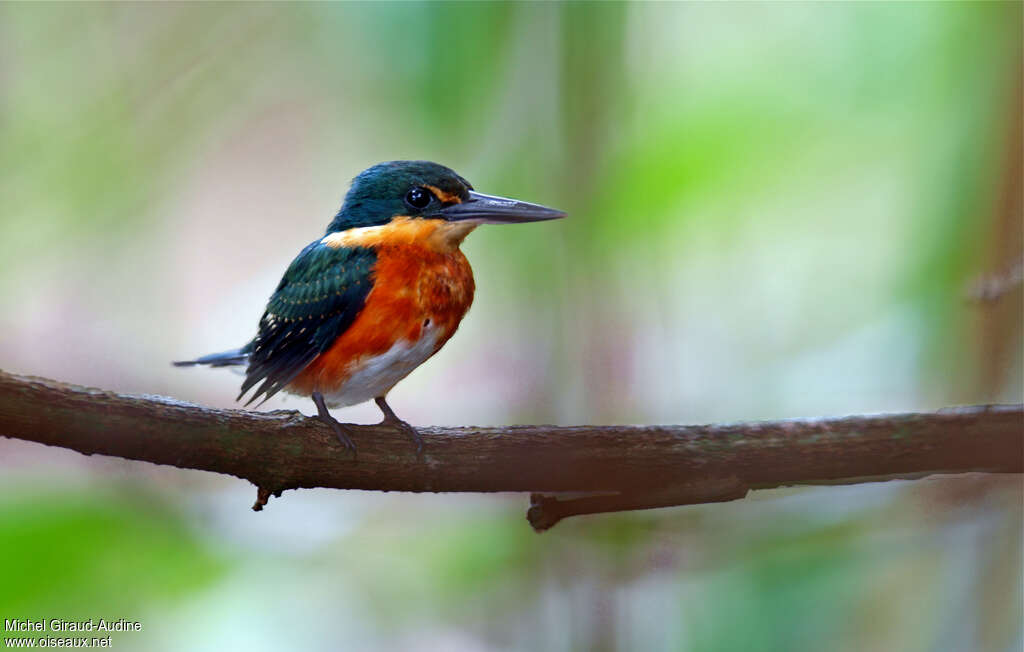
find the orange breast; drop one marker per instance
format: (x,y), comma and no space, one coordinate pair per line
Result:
(416,285)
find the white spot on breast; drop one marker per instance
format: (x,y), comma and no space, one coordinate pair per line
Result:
(373,376)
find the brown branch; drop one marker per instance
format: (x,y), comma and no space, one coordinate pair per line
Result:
(619,467)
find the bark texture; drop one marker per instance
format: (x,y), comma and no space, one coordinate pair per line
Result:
(619,467)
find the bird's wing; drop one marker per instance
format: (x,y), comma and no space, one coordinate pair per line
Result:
(317,300)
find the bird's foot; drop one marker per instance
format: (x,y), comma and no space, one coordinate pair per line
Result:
(391,419)
(341,430)
(406,427)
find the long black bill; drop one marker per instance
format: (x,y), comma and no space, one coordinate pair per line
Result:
(498,210)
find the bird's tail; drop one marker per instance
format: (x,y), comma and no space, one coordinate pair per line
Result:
(230,358)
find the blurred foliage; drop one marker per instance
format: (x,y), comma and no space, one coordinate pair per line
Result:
(776,209)
(71,554)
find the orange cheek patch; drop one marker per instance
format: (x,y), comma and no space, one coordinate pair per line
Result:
(437,235)
(401,230)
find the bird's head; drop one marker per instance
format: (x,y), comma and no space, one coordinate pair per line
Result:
(418,192)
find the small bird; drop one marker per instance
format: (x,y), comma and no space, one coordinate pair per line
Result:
(378,294)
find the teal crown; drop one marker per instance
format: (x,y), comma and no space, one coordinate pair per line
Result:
(379,193)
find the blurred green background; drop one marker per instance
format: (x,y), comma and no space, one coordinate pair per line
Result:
(777,210)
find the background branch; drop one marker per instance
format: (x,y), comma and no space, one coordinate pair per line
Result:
(618,467)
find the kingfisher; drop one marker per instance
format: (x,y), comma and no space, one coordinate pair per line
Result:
(381,292)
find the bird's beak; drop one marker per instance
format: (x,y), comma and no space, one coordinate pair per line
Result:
(488,209)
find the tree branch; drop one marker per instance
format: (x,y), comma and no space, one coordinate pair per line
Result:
(618,467)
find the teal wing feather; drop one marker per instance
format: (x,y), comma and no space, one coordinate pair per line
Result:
(319,297)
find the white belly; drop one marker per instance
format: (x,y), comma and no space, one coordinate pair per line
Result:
(373,376)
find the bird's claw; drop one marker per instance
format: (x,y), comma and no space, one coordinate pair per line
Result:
(391,419)
(340,429)
(343,437)
(406,427)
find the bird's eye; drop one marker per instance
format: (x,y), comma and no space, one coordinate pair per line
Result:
(418,197)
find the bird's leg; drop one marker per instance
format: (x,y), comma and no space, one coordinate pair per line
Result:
(339,428)
(391,419)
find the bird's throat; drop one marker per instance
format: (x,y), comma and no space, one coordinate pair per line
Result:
(449,235)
